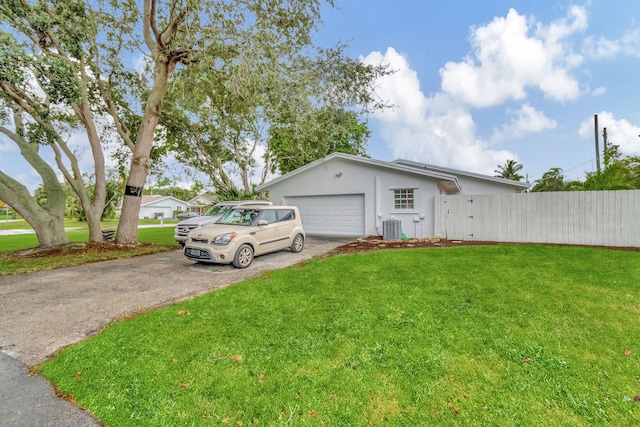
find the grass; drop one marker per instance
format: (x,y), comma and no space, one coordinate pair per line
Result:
(74,224)
(497,335)
(156,239)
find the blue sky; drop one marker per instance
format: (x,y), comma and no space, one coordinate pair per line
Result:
(478,82)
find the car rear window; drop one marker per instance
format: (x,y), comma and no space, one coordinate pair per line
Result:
(285,215)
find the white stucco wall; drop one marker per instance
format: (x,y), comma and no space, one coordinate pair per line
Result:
(377,181)
(340,176)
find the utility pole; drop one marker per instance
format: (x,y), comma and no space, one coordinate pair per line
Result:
(595,119)
(604,147)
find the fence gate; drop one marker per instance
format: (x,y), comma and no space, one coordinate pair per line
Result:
(456,217)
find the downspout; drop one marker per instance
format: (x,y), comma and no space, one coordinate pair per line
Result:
(377,198)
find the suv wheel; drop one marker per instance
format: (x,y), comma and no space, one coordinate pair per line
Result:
(243,257)
(298,244)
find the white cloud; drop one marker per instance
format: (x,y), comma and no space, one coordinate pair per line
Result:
(603,48)
(401,89)
(599,91)
(527,120)
(507,59)
(619,132)
(142,63)
(435,129)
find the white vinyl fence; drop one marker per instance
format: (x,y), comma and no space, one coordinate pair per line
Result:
(607,218)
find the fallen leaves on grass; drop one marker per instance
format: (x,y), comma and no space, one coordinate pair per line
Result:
(626,352)
(527,360)
(453,407)
(261,377)
(313,414)
(236,358)
(184,385)
(183,312)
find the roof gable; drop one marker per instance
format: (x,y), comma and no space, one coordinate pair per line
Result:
(457,172)
(448,180)
(203,199)
(152,200)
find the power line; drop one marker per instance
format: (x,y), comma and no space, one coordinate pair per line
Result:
(583,163)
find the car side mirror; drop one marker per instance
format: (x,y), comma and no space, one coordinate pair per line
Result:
(263,222)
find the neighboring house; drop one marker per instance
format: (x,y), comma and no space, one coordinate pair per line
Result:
(342,194)
(153,206)
(199,204)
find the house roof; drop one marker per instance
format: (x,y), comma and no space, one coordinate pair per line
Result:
(206,199)
(150,200)
(457,172)
(448,181)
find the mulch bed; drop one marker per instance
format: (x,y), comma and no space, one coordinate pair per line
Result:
(371,243)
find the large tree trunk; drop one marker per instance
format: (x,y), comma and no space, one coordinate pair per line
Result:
(127,233)
(93,208)
(47,221)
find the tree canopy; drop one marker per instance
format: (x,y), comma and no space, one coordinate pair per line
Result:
(223,118)
(109,69)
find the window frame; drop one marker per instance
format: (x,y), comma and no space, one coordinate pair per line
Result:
(404,199)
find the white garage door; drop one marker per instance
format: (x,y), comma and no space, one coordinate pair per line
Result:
(331,215)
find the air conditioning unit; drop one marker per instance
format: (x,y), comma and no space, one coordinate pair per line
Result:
(392,229)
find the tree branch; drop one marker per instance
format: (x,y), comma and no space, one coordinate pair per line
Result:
(149,24)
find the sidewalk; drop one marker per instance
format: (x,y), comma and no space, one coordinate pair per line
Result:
(30,231)
(30,401)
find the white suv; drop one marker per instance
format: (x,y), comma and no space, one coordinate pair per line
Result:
(212,215)
(244,232)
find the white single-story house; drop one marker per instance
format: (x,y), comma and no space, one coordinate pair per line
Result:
(200,203)
(154,206)
(348,195)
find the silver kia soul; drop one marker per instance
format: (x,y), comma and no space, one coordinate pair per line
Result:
(244,232)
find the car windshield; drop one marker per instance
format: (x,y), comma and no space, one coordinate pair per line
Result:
(218,210)
(239,217)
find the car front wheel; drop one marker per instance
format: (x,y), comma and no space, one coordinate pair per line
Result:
(244,257)
(298,244)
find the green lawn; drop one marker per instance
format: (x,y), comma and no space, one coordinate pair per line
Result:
(497,335)
(161,239)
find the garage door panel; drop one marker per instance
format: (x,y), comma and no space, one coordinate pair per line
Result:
(336,215)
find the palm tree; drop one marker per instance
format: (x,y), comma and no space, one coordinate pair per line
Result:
(621,174)
(509,171)
(553,180)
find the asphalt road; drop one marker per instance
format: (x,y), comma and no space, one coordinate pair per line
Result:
(44,311)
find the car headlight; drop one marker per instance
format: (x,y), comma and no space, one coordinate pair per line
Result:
(223,239)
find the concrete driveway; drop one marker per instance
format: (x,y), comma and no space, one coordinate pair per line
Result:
(45,311)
